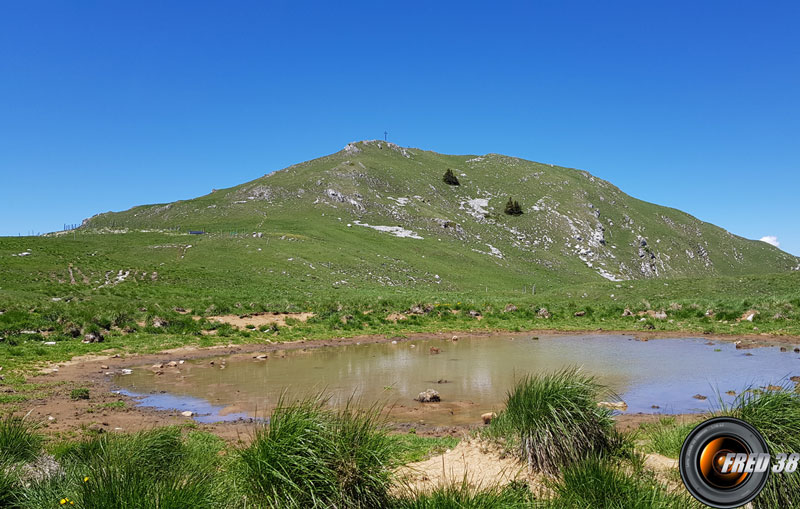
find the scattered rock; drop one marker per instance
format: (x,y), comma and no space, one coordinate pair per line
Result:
(796,350)
(487,417)
(709,312)
(543,313)
(580,313)
(159,322)
(429,396)
(172,364)
(93,337)
(699,396)
(655,407)
(103,366)
(627,312)
(731,393)
(784,349)
(660,315)
(157,366)
(96,428)
(613,405)
(748,315)
(187,413)
(674,306)
(42,468)
(434,350)
(454,339)
(475,314)
(260,357)
(510,308)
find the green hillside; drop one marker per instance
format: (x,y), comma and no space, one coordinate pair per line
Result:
(372,231)
(377,199)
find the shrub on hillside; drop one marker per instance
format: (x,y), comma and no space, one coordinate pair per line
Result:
(450,178)
(513,208)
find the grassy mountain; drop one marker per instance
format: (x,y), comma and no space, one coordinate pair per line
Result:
(373,232)
(377,200)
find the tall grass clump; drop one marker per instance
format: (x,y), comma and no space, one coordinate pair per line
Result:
(666,436)
(311,456)
(603,484)
(553,420)
(146,470)
(776,414)
(19,441)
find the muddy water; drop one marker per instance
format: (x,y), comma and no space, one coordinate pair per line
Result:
(472,375)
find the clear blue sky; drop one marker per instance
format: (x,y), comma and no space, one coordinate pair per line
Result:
(106,105)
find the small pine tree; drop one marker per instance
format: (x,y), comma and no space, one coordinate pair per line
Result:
(450,179)
(513,208)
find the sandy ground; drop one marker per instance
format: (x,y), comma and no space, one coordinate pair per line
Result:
(473,461)
(60,414)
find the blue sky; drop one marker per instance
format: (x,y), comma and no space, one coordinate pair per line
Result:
(106,105)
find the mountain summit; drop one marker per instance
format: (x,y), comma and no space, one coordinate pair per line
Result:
(378,197)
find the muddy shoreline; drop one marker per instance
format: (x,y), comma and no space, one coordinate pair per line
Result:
(104,412)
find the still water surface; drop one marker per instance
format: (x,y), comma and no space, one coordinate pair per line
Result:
(472,375)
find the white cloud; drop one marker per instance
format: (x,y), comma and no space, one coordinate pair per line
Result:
(771,239)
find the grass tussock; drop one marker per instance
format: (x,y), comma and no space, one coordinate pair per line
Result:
(19,441)
(553,420)
(666,436)
(603,484)
(776,414)
(310,456)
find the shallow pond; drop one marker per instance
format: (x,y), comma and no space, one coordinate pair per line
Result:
(472,375)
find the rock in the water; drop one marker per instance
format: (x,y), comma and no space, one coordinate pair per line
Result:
(613,405)
(434,350)
(699,396)
(429,396)
(487,417)
(187,413)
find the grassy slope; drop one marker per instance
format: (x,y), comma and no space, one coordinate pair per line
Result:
(308,258)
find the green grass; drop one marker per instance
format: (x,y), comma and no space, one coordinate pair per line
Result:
(603,484)
(776,414)
(310,456)
(552,420)
(463,496)
(19,440)
(417,448)
(79,393)
(666,436)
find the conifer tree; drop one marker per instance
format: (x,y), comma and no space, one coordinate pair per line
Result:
(450,178)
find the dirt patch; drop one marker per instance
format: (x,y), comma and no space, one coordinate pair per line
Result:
(258,319)
(479,463)
(394,317)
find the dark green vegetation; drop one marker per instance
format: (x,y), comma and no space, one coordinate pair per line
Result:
(312,457)
(512,208)
(450,179)
(553,421)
